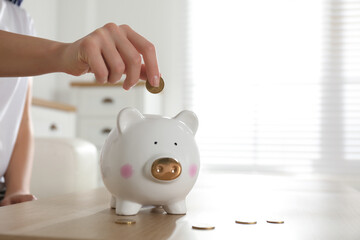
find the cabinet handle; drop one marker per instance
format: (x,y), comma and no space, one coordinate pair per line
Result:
(107,100)
(53,127)
(106,131)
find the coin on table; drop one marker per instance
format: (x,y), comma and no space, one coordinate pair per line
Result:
(155,90)
(203,227)
(245,222)
(125,221)
(275,221)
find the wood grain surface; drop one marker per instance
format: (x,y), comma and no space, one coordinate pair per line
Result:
(53,105)
(310,208)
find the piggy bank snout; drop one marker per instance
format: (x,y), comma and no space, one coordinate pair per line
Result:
(166,169)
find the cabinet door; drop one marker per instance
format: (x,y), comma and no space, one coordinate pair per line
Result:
(95,130)
(52,123)
(106,101)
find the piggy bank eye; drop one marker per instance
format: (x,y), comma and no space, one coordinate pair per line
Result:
(175,144)
(155,142)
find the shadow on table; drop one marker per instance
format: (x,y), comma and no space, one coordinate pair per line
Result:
(151,223)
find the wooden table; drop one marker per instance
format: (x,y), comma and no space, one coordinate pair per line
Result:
(311,209)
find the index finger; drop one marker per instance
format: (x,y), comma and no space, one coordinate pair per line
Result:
(147,49)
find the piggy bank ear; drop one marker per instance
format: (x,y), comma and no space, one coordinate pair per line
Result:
(190,120)
(127,117)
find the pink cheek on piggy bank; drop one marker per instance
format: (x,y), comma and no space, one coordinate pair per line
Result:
(193,170)
(126,171)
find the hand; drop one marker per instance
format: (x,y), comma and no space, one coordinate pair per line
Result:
(111,51)
(17,198)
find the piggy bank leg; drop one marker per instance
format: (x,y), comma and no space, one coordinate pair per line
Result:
(176,207)
(124,207)
(113,202)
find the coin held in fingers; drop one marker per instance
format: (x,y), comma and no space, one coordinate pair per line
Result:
(155,90)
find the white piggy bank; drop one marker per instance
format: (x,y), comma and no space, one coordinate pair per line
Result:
(150,160)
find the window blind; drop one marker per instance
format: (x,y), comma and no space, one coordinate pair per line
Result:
(343,70)
(275,84)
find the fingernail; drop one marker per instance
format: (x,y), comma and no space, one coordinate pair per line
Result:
(156,81)
(101,80)
(125,86)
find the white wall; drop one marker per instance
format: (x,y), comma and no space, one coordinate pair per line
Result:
(160,21)
(45,17)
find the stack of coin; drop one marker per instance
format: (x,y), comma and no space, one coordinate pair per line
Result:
(155,90)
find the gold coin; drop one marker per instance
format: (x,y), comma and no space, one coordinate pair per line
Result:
(125,221)
(275,222)
(155,90)
(203,227)
(245,222)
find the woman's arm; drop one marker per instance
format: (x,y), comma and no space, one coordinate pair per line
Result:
(108,52)
(17,176)
(23,55)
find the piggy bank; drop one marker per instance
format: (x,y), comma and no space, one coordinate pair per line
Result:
(150,160)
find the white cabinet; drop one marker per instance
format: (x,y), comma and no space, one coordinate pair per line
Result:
(104,101)
(95,129)
(52,119)
(98,105)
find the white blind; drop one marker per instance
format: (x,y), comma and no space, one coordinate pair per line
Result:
(343,71)
(275,83)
